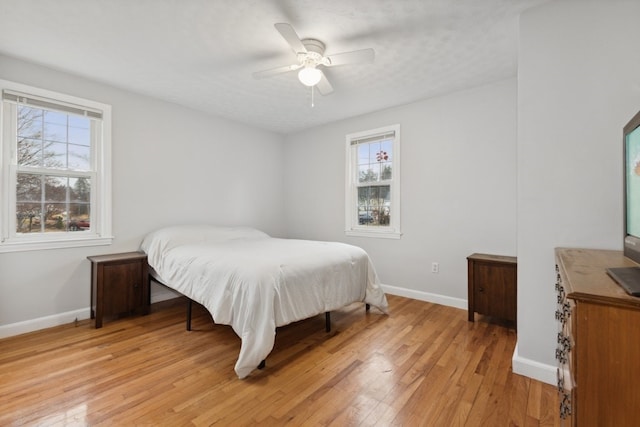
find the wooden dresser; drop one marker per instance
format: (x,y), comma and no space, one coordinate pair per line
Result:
(598,341)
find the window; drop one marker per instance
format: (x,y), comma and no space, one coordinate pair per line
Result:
(373,183)
(55,182)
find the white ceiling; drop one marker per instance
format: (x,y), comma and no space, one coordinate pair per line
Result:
(201,53)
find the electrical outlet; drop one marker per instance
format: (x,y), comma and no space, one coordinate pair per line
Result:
(435,267)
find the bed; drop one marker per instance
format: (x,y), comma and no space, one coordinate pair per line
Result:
(255,283)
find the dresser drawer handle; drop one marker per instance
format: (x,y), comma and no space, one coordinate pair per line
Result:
(564,342)
(565,406)
(560,383)
(561,356)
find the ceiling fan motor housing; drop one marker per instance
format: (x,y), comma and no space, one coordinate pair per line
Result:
(314,45)
(314,54)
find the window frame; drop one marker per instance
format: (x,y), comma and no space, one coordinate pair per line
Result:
(100,198)
(352,225)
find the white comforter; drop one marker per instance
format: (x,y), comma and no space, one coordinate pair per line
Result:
(255,283)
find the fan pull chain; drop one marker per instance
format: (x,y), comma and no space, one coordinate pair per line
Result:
(312,104)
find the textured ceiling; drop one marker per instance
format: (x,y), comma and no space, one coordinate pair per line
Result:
(202,53)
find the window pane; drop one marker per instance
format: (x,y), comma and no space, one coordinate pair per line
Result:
(80,190)
(28,187)
(28,203)
(79,157)
(363,154)
(55,155)
(385,172)
(79,130)
(387,148)
(80,208)
(29,123)
(374,147)
(55,126)
(367,174)
(55,189)
(374,205)
(29,152)
(56,217)
(79,216)
(28,219)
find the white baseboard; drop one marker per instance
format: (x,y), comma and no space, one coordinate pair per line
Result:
(426,296)
(532,369)
(43,322)
(158,294)
(162,293)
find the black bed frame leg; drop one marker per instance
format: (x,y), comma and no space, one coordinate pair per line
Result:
(189,307)
(327,321)
(367,307)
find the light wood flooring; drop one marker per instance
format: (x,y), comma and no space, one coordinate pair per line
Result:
(424,365)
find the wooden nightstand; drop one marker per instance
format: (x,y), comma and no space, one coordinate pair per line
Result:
(493,286)
(119,285)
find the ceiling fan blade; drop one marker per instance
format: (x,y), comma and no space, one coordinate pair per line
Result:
(290,35)
(323,86)
(364,56)
(275,71)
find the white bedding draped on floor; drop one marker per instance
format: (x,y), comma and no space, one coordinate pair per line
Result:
(255,283)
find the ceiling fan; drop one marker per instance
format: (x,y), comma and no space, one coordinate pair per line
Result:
(310,56)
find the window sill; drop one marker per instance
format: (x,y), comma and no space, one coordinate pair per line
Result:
(374,234)
(36,245)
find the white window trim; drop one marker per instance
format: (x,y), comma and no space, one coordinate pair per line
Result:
(101,199)
(352,227)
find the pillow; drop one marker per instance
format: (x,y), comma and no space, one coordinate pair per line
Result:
(159,241)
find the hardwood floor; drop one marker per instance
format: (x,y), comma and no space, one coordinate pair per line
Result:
(424,365)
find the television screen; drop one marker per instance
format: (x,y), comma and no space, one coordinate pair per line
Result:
(632,150)
(629,277)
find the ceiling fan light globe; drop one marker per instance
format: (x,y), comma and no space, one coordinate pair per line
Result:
(309,76)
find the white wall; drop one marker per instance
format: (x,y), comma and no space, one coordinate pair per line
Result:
(170,165)
(458,175)
(578,84)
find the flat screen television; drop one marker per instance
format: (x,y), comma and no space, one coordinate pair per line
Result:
(631,140)
(629,277)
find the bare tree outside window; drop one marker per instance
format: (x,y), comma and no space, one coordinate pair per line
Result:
(51,141)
